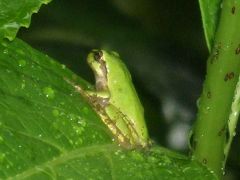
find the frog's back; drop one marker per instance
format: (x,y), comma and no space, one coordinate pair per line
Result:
(124,95)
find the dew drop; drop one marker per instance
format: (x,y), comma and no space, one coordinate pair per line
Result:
(5,51)
(122,156)
(94,136)
(22,63)
(55,112)
(72,117)
(49,92)
(78,130)
(206,110)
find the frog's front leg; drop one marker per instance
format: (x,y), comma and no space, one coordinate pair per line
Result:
(101,97)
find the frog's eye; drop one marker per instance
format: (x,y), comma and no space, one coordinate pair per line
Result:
(98,55)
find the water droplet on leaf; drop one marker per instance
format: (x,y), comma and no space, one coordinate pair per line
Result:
(22,63)
(55,112)
(49,92)
(5,51)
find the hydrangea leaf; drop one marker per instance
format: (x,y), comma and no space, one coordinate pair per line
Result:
(15,14)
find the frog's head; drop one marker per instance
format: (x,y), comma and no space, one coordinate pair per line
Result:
(97,63)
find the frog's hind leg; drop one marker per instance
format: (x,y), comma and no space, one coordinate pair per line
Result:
(124,124)
(123,139)
(116,122)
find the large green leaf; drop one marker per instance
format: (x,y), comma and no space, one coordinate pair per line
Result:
(15,14)
(48,131)
(210,10)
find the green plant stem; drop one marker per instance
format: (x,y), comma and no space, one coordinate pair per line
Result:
(223,67)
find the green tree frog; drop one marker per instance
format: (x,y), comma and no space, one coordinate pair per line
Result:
(115,99)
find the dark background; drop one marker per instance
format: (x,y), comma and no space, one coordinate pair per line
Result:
(162,43)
